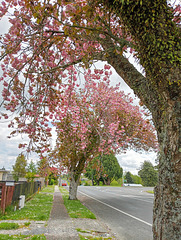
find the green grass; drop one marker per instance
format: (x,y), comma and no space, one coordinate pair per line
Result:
(74,207)
(38,208)
(8,226)
(115,183)
(93,238)
(12,226)
(150,192)
(27,224)
(48,189)
(22,237)
(80,230)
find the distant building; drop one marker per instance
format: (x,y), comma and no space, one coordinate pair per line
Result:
(5,175)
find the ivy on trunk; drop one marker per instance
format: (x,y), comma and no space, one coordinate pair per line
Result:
(157,40)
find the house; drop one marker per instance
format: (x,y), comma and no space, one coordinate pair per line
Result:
(3,174)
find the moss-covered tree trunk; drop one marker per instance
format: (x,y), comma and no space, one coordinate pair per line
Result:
(167,203)
(166,114)
(157,40)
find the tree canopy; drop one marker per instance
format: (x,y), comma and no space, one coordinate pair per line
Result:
(104,168)
(44,168)
(32,167)
(19,168)
(128,177)
(148,174)
(95,119)
(31,171)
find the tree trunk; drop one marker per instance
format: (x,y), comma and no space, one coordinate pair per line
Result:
(166,115)
(167,203)
(108,181)
(165,108)
(75,173)
(74,182)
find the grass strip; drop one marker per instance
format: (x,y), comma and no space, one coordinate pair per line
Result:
(74,207)
(88,233)
(93,238)
(150,192)
(48,189)
(38,208)
(12,226)
(8,226)
(22,237)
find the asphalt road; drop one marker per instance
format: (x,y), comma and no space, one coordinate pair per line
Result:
(127,211)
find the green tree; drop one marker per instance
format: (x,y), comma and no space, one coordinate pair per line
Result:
(32,167)
(148,174)
(128,177)
(30,176)
(53,176)
(31,171)
(93,172)
(104,168)
(136,179)
(19,169)
(44,169)
(112,169)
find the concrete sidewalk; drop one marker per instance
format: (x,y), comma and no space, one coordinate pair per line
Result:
(60,226)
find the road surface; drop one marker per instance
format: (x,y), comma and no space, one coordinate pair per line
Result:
(127,211)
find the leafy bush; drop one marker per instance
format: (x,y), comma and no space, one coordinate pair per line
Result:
(51,182)
(86,183)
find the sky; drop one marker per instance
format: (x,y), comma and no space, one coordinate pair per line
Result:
(131,161)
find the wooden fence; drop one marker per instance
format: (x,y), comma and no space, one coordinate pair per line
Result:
(6,195)
(10,192)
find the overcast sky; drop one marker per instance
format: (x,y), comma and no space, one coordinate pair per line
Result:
(131,161)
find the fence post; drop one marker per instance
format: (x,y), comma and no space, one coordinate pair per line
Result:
(9,195)
(3,198)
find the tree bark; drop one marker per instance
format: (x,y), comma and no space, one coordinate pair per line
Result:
(167,202)
(74,182)
(160,92)
(75,173)
(108,181)
(166,115)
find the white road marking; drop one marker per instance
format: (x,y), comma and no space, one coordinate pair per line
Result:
(127,214)
(133,196)
(126,195)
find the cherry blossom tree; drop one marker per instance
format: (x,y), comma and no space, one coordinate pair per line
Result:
(44,169)
(47,38)
(96,119)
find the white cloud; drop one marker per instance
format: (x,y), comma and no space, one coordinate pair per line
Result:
(9,150)
(131,161)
